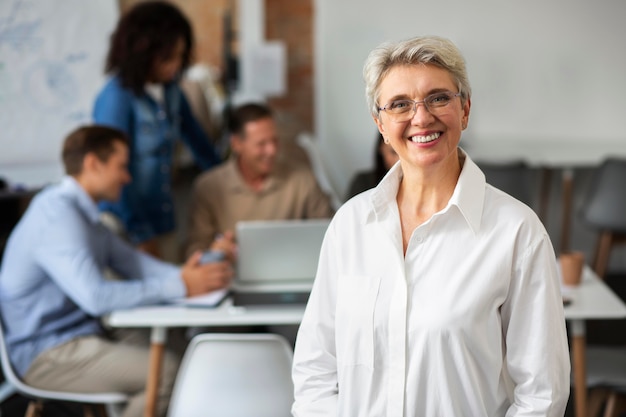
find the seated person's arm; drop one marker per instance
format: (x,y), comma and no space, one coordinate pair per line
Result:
(197,278)
(200,279)
(75,260)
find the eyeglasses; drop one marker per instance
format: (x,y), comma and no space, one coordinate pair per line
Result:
(403,110)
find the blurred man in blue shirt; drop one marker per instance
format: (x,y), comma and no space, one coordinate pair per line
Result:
(53,289)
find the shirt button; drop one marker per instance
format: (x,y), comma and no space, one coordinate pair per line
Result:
(419,239)
(161,115)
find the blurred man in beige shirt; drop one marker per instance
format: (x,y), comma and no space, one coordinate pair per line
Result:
(253,184)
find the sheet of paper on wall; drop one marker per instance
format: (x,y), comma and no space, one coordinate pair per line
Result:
(209,300)
(264,68)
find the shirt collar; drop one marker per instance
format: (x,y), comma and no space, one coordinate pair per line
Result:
(468,195)
(238,184)
(85,203)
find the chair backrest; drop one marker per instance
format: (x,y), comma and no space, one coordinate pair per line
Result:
(513,178)
(234,375)
(32,392)
(313,151)
(605,203)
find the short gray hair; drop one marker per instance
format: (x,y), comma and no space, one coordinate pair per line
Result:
(421,50)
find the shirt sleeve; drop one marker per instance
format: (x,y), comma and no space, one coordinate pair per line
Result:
(113,107)
(537,355)
(315,361)
(66,254)
(194,136)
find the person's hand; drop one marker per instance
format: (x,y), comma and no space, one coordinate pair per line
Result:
(202,278)
(225,243)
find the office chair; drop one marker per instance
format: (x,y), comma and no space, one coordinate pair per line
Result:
(314,153)
(234,375)
(513,178)
(91,402)
(605,210)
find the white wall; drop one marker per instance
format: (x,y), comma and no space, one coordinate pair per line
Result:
(539,69)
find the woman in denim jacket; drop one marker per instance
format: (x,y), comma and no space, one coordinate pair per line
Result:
(149,49)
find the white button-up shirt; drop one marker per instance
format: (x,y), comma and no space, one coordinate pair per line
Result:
(469,323)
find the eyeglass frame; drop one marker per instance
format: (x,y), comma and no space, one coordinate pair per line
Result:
(423,102)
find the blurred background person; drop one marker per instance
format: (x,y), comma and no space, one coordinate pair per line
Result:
(384,158)
(149,49)
(54,289)
(254,184)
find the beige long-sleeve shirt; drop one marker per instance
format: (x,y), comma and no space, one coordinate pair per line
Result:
(221,198)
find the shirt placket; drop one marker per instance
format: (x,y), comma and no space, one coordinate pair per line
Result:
(397,333)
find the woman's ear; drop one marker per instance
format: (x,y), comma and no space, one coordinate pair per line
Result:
(466,113)
(381,128)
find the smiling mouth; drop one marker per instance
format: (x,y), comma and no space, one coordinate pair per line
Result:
(425,139)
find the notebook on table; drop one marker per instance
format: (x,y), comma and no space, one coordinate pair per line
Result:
(277,260)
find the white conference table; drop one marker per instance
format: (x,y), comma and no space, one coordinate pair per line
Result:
(549,155)
(593,299)
(160,318)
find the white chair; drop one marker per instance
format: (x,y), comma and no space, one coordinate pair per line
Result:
(312,149)
(91,402)
(234,375)
(606,379)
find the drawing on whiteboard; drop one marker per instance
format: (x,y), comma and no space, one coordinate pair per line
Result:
(20,35)
(51,66)
(50,85)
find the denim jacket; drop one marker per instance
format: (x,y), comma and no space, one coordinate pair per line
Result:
(146,205)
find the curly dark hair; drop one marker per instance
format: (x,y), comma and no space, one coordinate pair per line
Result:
(145,33)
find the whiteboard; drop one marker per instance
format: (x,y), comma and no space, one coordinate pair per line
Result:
(538,69)
(52,55)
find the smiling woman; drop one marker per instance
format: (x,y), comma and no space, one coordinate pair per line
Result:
(469,283)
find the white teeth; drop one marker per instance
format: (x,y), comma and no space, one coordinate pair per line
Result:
(424,139)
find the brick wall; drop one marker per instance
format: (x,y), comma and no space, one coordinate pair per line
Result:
(290,21)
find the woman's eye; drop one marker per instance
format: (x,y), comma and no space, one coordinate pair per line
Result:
(438,99)
(399,105)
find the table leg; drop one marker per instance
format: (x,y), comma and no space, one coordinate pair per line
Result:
(568,195)
(158,338)
(579,367)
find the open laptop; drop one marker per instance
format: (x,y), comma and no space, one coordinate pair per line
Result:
(277,260)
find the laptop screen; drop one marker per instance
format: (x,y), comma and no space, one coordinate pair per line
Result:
(278,251)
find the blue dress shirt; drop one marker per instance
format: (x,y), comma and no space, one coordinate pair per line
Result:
(146,206)
(52,287)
